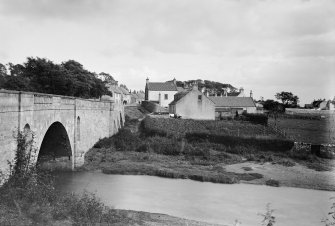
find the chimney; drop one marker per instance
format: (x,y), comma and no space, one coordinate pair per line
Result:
(225,92)
(147,81)
(251,93)
(174,81)
(241,92)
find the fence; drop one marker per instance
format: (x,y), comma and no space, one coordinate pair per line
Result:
(281,132)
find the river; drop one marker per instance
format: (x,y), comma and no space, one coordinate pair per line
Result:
(209,202)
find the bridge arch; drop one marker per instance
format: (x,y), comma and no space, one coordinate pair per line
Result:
(55,147)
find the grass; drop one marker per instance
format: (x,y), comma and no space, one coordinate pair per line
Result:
(309,131)
(178,127)
(169,166)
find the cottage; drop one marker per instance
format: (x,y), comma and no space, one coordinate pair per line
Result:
(161,93)
(126,96)
(192,104)
(115,92)
(228,106)
(137,97)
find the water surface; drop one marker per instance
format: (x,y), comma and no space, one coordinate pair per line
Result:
(209,202)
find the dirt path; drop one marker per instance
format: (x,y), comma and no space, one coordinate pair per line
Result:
(295,176)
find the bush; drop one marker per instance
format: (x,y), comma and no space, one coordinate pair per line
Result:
(196,151)
(272,182)
(264,144)
(256,118)
(161,145)
(124,140)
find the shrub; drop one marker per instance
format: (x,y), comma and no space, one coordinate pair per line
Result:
(196,151)
(104,142)
(124,140)
(256,118)
(265,144)
(272,182)
(162,145)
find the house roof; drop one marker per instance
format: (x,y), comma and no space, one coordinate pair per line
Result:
(162,86)
(180,95)
(233,101)
(114,89)
(138,95)
(180,89)
(124,91)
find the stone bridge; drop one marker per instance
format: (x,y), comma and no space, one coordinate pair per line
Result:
(63,127)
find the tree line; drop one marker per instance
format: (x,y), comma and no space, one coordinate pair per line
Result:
(287,100)
(41,75)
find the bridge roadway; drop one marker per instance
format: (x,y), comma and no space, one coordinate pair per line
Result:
(71,123)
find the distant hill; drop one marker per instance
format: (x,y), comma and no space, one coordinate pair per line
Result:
(212,87)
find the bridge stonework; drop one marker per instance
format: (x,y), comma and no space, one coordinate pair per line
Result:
(85,121)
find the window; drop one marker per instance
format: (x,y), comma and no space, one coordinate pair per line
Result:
(199,97)
(166,96)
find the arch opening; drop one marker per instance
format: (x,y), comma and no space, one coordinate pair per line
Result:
(121,122)
(55,152)
(78,128)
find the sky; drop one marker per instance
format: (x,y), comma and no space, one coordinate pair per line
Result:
(266,46)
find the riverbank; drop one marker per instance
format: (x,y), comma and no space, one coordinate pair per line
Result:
(149,149)
(242,171)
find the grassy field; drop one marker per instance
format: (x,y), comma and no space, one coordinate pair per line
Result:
(179,127)
(309,131)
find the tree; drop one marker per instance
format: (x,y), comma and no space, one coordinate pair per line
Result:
(273,106)
(107,78)
(288,99)
(3,75)
(69,78)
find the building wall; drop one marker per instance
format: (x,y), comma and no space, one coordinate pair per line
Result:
(252,110)
(159,97)
(190,107)
(98,119)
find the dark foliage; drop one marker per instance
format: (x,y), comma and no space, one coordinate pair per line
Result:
(124,140)
(262,144)
(256,118)
(42,75)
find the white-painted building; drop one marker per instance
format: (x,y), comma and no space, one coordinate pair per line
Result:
(160,92)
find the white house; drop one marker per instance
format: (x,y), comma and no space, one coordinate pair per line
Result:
(192,104)
(160,92)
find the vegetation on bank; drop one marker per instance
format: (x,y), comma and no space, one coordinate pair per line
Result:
(28,197)
(173,148)
(179,128)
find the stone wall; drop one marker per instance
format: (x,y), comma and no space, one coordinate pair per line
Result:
(323,150)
